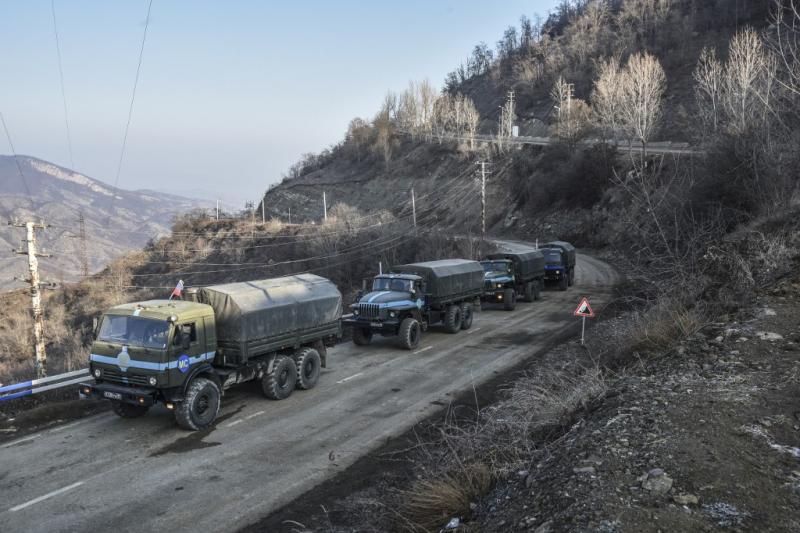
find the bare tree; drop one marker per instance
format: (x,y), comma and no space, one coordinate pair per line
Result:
(506,125)
(607,97)
(643,86)
(572,114)
(708,77)
(384,128)
(471,119)
(785,43)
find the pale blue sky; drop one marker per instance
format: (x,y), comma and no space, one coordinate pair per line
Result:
(230,93)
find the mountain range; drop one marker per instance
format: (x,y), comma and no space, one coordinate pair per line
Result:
(115,220)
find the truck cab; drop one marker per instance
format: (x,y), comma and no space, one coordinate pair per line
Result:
(393,298)
(557,267)
(499,282)
(144,352)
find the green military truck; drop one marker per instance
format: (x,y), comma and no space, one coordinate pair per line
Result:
(185,353)
(512,274)
(412,297)
(559,263)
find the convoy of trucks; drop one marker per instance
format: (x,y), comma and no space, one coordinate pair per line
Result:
(186,353)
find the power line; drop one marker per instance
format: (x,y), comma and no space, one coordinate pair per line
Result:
(130,109)
(16,161)
(63,90)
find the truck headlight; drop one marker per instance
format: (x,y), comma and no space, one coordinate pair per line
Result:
(152,380)
(499,285)
(392,314)
(97,373)
(355,312)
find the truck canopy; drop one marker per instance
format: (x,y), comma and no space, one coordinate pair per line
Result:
(256,317)
(447,280)
(566,247)
(528,265)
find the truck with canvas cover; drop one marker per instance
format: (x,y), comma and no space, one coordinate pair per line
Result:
(186,353)
(559,263)
(510,275)
(412,297)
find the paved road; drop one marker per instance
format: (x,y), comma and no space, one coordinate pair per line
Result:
(104,473)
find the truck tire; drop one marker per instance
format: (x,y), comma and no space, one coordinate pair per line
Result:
(308,362)
(537,289)
(466,316)
(563,283)
(278,384)
(410,332)
(128,410)
(362,336)
(452,319)
(509,299)
(200,406)
(529,291)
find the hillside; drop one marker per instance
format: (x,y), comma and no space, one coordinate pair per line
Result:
(117,220)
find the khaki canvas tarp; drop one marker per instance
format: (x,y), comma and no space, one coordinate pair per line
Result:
(251,311)
(529,264)
(448,278)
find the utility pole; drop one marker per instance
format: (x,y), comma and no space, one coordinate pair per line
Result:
(83,255)
(325,206)
(413,207)
(263,212)
(36,295)
(483,198)
(217,209)
(290,214)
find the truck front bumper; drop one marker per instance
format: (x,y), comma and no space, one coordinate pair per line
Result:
(384,326)
(495,295)
(121,393)
(554,274)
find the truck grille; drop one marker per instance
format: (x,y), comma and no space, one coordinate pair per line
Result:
(124,378)
(369,310)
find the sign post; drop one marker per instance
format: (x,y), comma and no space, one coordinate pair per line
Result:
(584,310)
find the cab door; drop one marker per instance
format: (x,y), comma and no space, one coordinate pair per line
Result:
(187,357)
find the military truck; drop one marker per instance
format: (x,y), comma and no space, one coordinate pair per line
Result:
(559,263)
(512,274)
(409,299)
(186,353)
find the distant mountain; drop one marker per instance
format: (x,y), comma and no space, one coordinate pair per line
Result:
(116,220)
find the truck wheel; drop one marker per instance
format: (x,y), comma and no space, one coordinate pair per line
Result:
(466,316)
(537,290)
(200,406)
(308,363)
(452,319)
(128,410)
(509,299)
(362,336)
(279,383)
(410,332)
(529,292)
(563,283)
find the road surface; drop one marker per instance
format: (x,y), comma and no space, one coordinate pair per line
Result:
(108,474)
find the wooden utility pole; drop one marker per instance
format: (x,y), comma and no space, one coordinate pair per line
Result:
(413,207)
(483,198)
(40,363)
(84,256)
(217,209)
(325,206)
(263,209)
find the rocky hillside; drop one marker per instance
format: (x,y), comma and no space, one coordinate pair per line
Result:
(116,220)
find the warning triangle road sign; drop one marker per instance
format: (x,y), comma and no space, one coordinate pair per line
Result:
(584,309)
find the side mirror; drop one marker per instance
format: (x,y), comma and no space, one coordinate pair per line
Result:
(95,327)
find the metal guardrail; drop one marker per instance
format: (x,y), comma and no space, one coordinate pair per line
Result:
(26,388)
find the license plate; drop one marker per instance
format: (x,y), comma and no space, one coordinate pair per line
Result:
(376,325)
(112,395)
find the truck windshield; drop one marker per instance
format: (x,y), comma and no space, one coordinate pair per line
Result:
(134,330)
(389,284)
(552,256)
(498,266)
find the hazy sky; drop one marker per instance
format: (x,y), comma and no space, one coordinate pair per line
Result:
(231,92)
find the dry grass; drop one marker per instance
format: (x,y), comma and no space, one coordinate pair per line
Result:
(432,502)
(664,324)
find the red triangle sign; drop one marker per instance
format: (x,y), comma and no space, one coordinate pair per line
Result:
(584,309)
